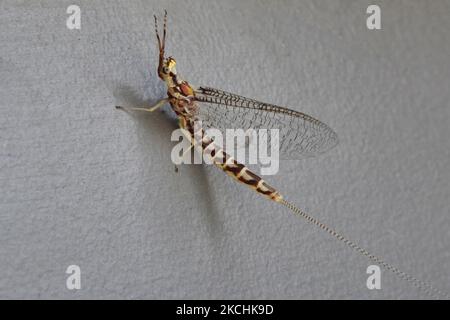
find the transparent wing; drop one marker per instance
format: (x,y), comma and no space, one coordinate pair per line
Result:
(300,135)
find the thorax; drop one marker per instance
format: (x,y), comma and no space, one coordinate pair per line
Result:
(181,97)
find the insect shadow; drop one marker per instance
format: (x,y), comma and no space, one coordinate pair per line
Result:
(161,124)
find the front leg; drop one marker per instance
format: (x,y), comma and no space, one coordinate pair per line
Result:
(148,109)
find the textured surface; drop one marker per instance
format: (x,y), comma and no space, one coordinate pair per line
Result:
(84,184)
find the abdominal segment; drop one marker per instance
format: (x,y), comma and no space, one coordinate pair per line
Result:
(237,170)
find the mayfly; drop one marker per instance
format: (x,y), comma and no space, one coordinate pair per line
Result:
(300,136)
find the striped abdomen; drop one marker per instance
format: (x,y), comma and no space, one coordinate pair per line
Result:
(232,167)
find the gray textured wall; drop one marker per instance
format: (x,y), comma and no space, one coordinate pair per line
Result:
(84,184)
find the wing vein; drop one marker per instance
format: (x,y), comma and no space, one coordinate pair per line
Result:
(301,135)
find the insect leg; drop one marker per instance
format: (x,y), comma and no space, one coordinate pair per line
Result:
(148,109)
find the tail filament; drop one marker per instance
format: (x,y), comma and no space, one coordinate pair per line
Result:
(427,288)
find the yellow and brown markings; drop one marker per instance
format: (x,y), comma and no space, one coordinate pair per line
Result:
(180,86)
(186,89)
(232,167)
(243,174)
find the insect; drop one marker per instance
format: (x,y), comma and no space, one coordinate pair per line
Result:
(301,136)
